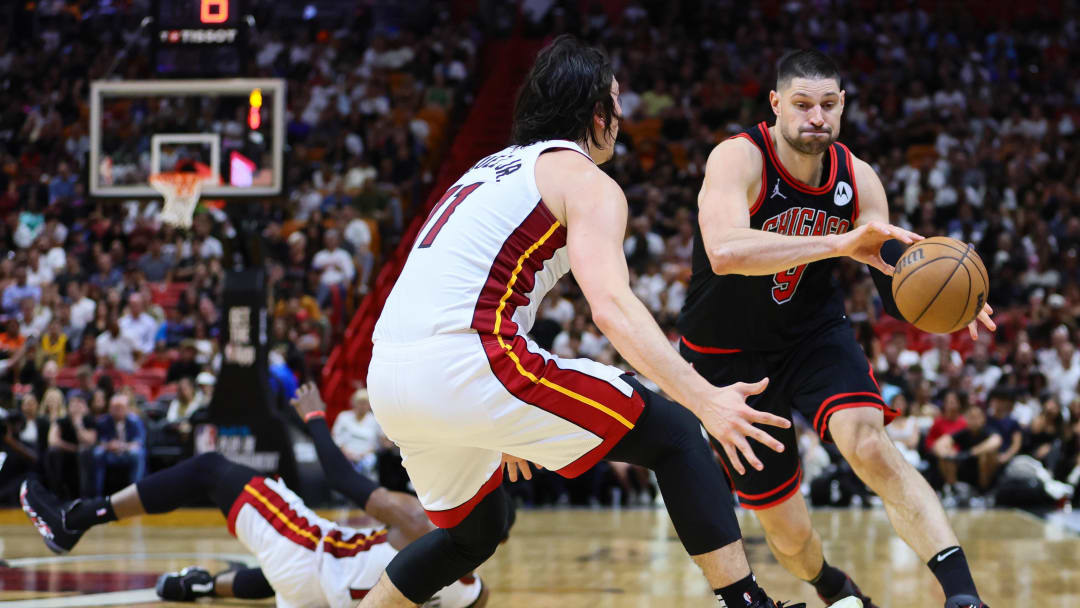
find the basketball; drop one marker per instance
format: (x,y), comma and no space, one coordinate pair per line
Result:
(940,285)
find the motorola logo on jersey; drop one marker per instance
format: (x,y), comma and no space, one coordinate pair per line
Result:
(842,195)
(800,221)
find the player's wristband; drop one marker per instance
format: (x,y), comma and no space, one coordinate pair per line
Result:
(308,417)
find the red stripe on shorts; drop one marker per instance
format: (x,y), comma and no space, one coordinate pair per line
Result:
(277,512)
(449,518)
(591,403)
(336,546)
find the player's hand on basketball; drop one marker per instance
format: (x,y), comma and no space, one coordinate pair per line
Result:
(515,465)
(308,400)
(863,244)
(984,318)
(731,421)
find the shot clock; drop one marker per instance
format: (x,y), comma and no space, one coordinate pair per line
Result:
(200,38)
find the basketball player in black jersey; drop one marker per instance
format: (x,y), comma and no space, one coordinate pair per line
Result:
(779,204)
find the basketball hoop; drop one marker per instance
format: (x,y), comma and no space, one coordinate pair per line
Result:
(181,193)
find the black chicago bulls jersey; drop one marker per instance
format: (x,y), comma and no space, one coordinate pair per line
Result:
(775,311)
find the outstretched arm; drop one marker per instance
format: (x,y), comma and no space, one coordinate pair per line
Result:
(395,509)
(340,474)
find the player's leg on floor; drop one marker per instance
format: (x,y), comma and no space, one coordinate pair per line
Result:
(206,475)
(443,556)
(193,583)
(245,583)
(61,525)
(913,508)
(667,439)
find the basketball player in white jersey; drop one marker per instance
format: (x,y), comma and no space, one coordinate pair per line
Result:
(456,382)
(304,560)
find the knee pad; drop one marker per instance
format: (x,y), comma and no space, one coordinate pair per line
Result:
(479,534)
(440,557)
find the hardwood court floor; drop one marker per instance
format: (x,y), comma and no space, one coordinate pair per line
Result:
(572,559)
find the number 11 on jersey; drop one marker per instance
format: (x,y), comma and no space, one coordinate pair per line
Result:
(459,195)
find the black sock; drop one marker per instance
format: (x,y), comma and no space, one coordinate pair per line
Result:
(90,512)
(951,569)
(736,594)
(251,584)
(829,581)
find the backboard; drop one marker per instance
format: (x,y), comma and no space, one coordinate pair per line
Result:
(231,130)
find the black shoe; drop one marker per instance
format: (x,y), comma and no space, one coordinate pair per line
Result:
(187,585)
(849,589)
(964,601)
(47,514)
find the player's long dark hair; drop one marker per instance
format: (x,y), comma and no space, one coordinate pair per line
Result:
(568,85)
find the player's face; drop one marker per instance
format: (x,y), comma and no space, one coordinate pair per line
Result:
(607,138)
(808,113)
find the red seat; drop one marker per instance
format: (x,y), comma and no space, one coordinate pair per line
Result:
(167,295)
(67,377)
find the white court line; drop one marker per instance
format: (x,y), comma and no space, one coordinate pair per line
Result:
(138,596)
(23,562)
(133,596)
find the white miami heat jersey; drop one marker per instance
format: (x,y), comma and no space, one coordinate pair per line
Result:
(485,257)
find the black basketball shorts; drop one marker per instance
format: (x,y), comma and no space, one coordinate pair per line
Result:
(823,374)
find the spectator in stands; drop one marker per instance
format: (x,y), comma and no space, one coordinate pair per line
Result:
(155,264)
(951,420)
(62,185)
(86,354)
(357,434)
(116,349)
(941,360)
(54,344)
(15,293)
(12,338)
(121,443)
(138,326)
(34,317)
(99,403)
(186,403)
(335,267)
(358,238)
(1047,435)
(82,306)
(210,246)
(969,456)
(107,275)
(185,365)
(174,330)
(64,441)
(1000,421)
(204,384)
(38,271)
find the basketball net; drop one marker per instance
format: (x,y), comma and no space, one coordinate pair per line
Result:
(181,193)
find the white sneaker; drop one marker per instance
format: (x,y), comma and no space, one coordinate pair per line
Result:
(848,602)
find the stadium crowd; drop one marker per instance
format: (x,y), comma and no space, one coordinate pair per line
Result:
(109,348)
(970,121)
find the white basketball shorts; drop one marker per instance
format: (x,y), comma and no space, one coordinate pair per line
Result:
(454,403)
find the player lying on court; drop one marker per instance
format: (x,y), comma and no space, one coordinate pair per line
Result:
(779,204)
(304,560)
(456,382)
